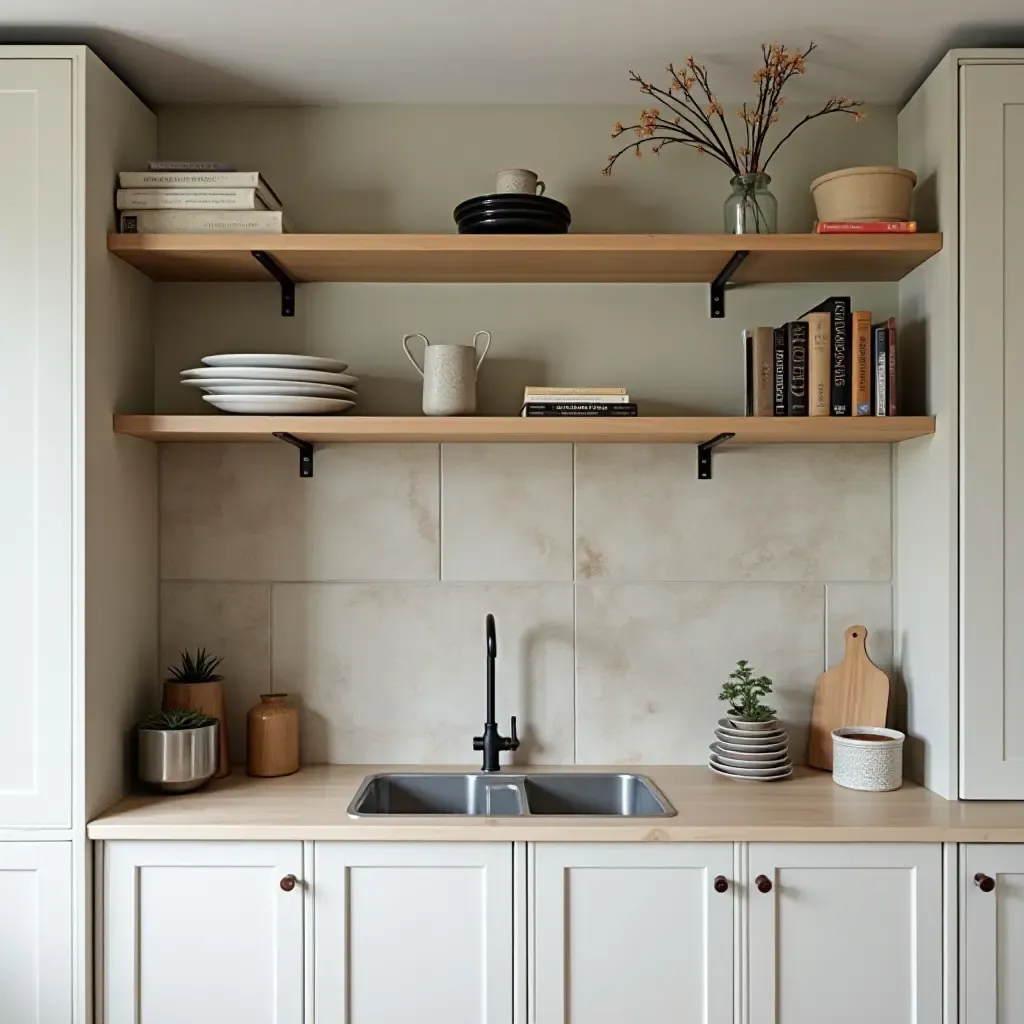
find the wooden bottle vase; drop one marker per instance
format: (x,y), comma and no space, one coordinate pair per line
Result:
(207,698)
(273,737)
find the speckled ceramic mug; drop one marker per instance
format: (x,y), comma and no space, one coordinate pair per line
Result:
(449,374)
(518,179)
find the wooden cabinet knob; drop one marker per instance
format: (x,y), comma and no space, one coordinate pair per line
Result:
(984,883)
(721,883)
(288,882)
(763,883)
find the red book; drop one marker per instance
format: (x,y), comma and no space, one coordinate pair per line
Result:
(866,227)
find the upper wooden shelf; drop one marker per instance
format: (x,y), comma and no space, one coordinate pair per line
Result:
(643,429)
(527,258)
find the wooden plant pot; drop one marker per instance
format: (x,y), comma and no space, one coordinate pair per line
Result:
(207,698)
(273,737)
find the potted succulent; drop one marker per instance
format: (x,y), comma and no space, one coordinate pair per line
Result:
(744,691)
(177,750)
(194,684)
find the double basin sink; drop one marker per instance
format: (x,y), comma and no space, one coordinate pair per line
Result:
(506,794)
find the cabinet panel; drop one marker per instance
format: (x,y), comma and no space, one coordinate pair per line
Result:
(854,929)
(631,931)
(35,933)
(992,934)
(36,410)
(203,932)
(992,433)
(413,931)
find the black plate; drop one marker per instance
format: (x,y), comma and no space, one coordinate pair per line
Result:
(508,225)
(513,201)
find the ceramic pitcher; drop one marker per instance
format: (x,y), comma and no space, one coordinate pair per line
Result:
(449,374)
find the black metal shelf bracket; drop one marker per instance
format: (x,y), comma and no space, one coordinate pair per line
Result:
(305,452)
(287,284)
(704,454)
(719,283)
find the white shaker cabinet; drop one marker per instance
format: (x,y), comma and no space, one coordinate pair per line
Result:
(413,931)
(992,933)
(36,313)
(845,932)
(208,933)
(35,932)
(632,932)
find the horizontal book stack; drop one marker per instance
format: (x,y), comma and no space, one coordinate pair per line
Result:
(197,198)
(832,361)
(577,402)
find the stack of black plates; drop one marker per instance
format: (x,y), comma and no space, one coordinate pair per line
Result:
(512,213)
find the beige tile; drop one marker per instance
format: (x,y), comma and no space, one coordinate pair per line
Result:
(506,512)
(396,673)
(241,512)
(651,659)
(774,513)
(859,604)
(228,619)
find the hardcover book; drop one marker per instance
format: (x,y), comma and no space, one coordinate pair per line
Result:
(190,199)
(201,180)
(880,369)
(588,398)
(762,356)
(534,390)
(891,366)
(201,222)
(866,227)
(838,308)
(796,359)
(819,364)
(578,409)
(861,364)
(779,370)
(189,165)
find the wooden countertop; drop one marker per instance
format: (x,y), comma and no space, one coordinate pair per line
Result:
(808,807)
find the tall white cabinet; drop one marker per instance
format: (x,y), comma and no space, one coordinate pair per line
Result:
(77,519)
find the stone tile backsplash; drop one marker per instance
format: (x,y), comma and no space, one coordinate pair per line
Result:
(624,589)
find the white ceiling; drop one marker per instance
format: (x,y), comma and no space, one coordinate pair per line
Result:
(501,51)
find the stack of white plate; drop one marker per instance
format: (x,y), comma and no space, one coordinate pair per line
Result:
(274,385)
(752,751)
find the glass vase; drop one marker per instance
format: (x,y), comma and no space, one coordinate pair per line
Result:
(751,209)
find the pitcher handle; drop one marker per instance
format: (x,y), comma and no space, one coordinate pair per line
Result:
(412,359)
(487,345)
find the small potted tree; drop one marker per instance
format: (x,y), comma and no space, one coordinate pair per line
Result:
(744,691)
(177,750)
(194,685)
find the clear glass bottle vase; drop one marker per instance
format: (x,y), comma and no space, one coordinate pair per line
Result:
(751,208)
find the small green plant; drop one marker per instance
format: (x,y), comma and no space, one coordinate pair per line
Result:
(743,691)
(175,721)
(202,668)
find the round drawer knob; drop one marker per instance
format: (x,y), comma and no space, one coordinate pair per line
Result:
(721,883)
(763,883)
(984,883)
(288,882)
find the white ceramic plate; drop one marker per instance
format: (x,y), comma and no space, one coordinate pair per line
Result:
(751,757)
(780,763)
(287,388)
(751,773)
(251,373)
(278,405)
(749,778)
(277,359)
(774,736)
(731,741)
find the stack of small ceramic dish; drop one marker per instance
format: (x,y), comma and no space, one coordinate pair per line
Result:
(754,751)
(272,384)
(512,213)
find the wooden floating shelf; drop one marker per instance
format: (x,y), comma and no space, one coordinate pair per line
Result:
(640,430)
(571,258)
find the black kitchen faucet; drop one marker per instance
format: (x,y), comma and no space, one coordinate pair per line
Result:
(492,742)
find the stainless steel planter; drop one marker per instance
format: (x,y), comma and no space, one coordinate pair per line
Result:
(178,760)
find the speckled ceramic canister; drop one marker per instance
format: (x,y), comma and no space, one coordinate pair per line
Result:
(867,757)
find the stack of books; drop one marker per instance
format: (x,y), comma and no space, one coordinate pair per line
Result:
(830,362)
(866,227)
(174,197)
(577,402)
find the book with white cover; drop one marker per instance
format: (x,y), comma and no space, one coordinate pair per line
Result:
(201,179)
(583,398)
(201,222)
(191,199)
(189,165)
(532,390)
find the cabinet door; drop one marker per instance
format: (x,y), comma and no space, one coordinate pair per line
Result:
(36,403)
(35,933)
(631,932)
(202,932)
(413,931)
(848,933)
(992,433)
(992,934)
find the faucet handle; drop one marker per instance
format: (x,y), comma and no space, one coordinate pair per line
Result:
(512,743)
(478,743)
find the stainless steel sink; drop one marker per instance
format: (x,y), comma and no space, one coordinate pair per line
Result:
(505,794)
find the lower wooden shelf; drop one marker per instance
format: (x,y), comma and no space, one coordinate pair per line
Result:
(639,430)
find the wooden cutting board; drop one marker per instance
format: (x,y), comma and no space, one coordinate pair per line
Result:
(854,692)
